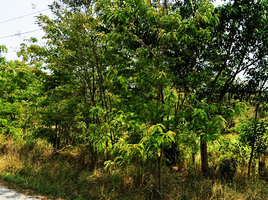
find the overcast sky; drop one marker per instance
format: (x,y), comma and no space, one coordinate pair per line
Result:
(14,22)
(17,17)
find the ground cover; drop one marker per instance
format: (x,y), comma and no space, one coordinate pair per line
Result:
(34,168)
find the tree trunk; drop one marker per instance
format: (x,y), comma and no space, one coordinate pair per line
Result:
(261,166)
(204,156)
(193,158)
(159,171)
(158,166)
(250,160)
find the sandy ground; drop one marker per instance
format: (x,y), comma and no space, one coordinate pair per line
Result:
(12,195)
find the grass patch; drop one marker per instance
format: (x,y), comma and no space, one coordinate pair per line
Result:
(33,168)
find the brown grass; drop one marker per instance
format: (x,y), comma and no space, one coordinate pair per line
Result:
(33,167)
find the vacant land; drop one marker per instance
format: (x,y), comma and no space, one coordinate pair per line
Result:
(36,169)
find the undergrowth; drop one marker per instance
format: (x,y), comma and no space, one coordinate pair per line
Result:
(34,167)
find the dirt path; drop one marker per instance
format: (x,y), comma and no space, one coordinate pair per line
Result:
(12,195)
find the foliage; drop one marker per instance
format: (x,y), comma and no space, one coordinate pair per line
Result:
(254,134)
(143,83)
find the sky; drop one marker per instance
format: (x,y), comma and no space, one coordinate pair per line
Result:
(14,23)
(18,22)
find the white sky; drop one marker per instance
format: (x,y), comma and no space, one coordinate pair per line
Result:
(12,9)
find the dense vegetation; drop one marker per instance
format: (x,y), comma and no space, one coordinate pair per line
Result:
(153,97)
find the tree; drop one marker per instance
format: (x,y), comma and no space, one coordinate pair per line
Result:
(18,93)
(234,42)
(116,66)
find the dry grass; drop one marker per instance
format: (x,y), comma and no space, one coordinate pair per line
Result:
(34,168)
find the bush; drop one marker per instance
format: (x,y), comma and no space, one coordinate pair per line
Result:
(228,168)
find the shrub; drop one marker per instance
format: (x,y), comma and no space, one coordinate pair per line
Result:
(228,168)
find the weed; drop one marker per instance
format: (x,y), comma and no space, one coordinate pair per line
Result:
(33,166)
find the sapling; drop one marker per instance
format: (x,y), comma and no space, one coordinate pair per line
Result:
(254,134)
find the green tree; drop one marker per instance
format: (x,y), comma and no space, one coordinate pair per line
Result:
(19,90)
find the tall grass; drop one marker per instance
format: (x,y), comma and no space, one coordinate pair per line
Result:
(33,166)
